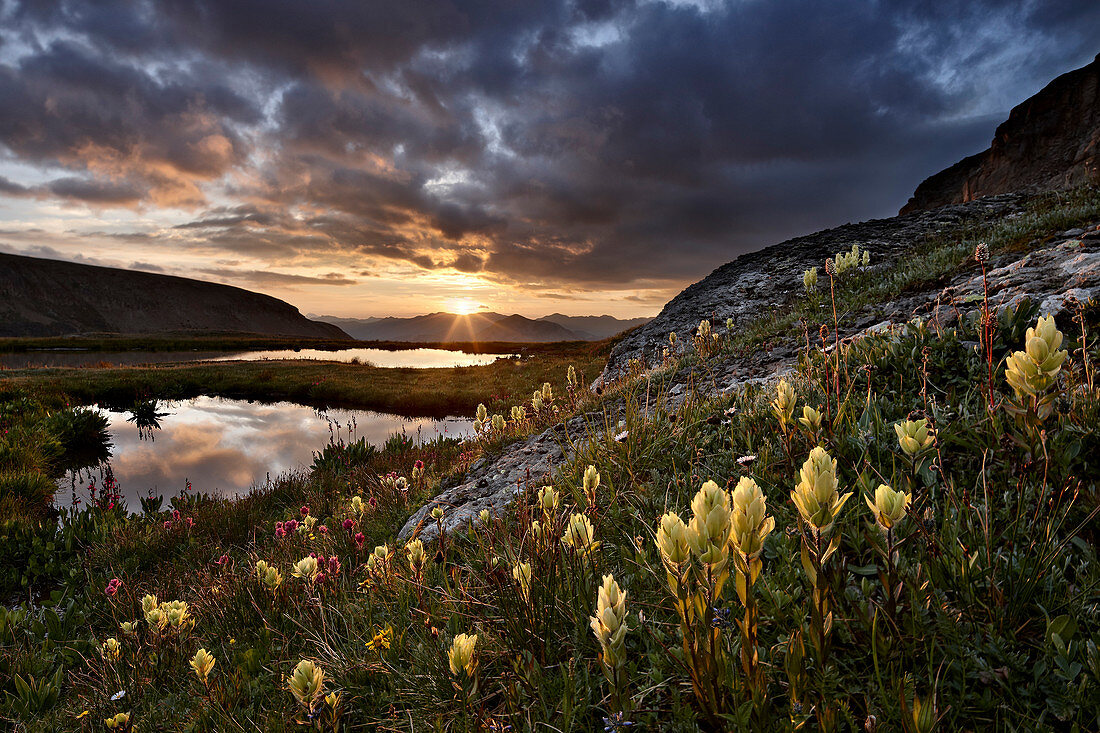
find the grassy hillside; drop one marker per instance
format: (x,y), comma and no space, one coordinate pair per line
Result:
(41,297)
(916,553)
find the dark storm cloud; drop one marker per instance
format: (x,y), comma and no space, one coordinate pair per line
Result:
(10,188)
(96,192)
(257,277)
(597,142)
(67,105)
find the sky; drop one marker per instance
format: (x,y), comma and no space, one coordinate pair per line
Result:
(400,157)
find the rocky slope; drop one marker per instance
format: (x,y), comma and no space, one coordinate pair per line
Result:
(1050,141)
(760,281)
(1057,274)
(41,297)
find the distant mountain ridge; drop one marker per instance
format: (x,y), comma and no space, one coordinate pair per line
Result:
(483,327)
(594,328)
(1049,141)
(40,297)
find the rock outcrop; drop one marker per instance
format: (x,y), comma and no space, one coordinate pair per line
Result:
(1057,274)
(1051,141)
(40,297)
(761,281)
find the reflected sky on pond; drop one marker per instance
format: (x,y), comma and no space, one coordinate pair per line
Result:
(227,446)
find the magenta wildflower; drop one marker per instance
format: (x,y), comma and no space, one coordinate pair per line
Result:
(360,538)
(323,529)
(349,524)
(112,587)
(305,511)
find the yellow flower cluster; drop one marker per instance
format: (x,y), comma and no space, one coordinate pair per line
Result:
(709,529)
(480,419)
(119,720)
(809,280)
(845,261)
(914,436)
(306,683)
(167,616)
(548,499)
(591,483)
(817,494)
(609,623)
(378,560)
(889,506)
(811,419)
(1032,372)
(382,638)
(111,650)
(417,558)
(462,656)
(751,525)
(522,574)
(269,575)
(783,404)
(580,536)
(203,662)
(306,568)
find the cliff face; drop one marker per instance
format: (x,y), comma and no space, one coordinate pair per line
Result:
(1050,141)
(41,297)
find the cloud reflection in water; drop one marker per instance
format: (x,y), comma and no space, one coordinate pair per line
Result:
(227,446)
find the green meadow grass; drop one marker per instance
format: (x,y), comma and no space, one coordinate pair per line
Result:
(404,391)
(992,621)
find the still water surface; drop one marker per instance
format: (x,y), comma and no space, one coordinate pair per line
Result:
(417,358)
(226,446)
(414,358)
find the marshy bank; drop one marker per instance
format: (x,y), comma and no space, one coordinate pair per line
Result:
(434,392)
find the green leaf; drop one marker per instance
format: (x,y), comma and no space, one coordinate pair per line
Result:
(1063,627)
(808,566)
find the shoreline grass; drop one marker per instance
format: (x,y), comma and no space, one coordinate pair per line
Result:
(405,391)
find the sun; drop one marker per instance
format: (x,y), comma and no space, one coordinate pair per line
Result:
(462,306)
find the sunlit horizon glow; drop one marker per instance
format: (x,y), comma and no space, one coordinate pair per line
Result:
(580,158)
(462,306)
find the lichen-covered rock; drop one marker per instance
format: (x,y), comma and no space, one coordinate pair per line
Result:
(494,482)
(758,282)
(1056,275)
